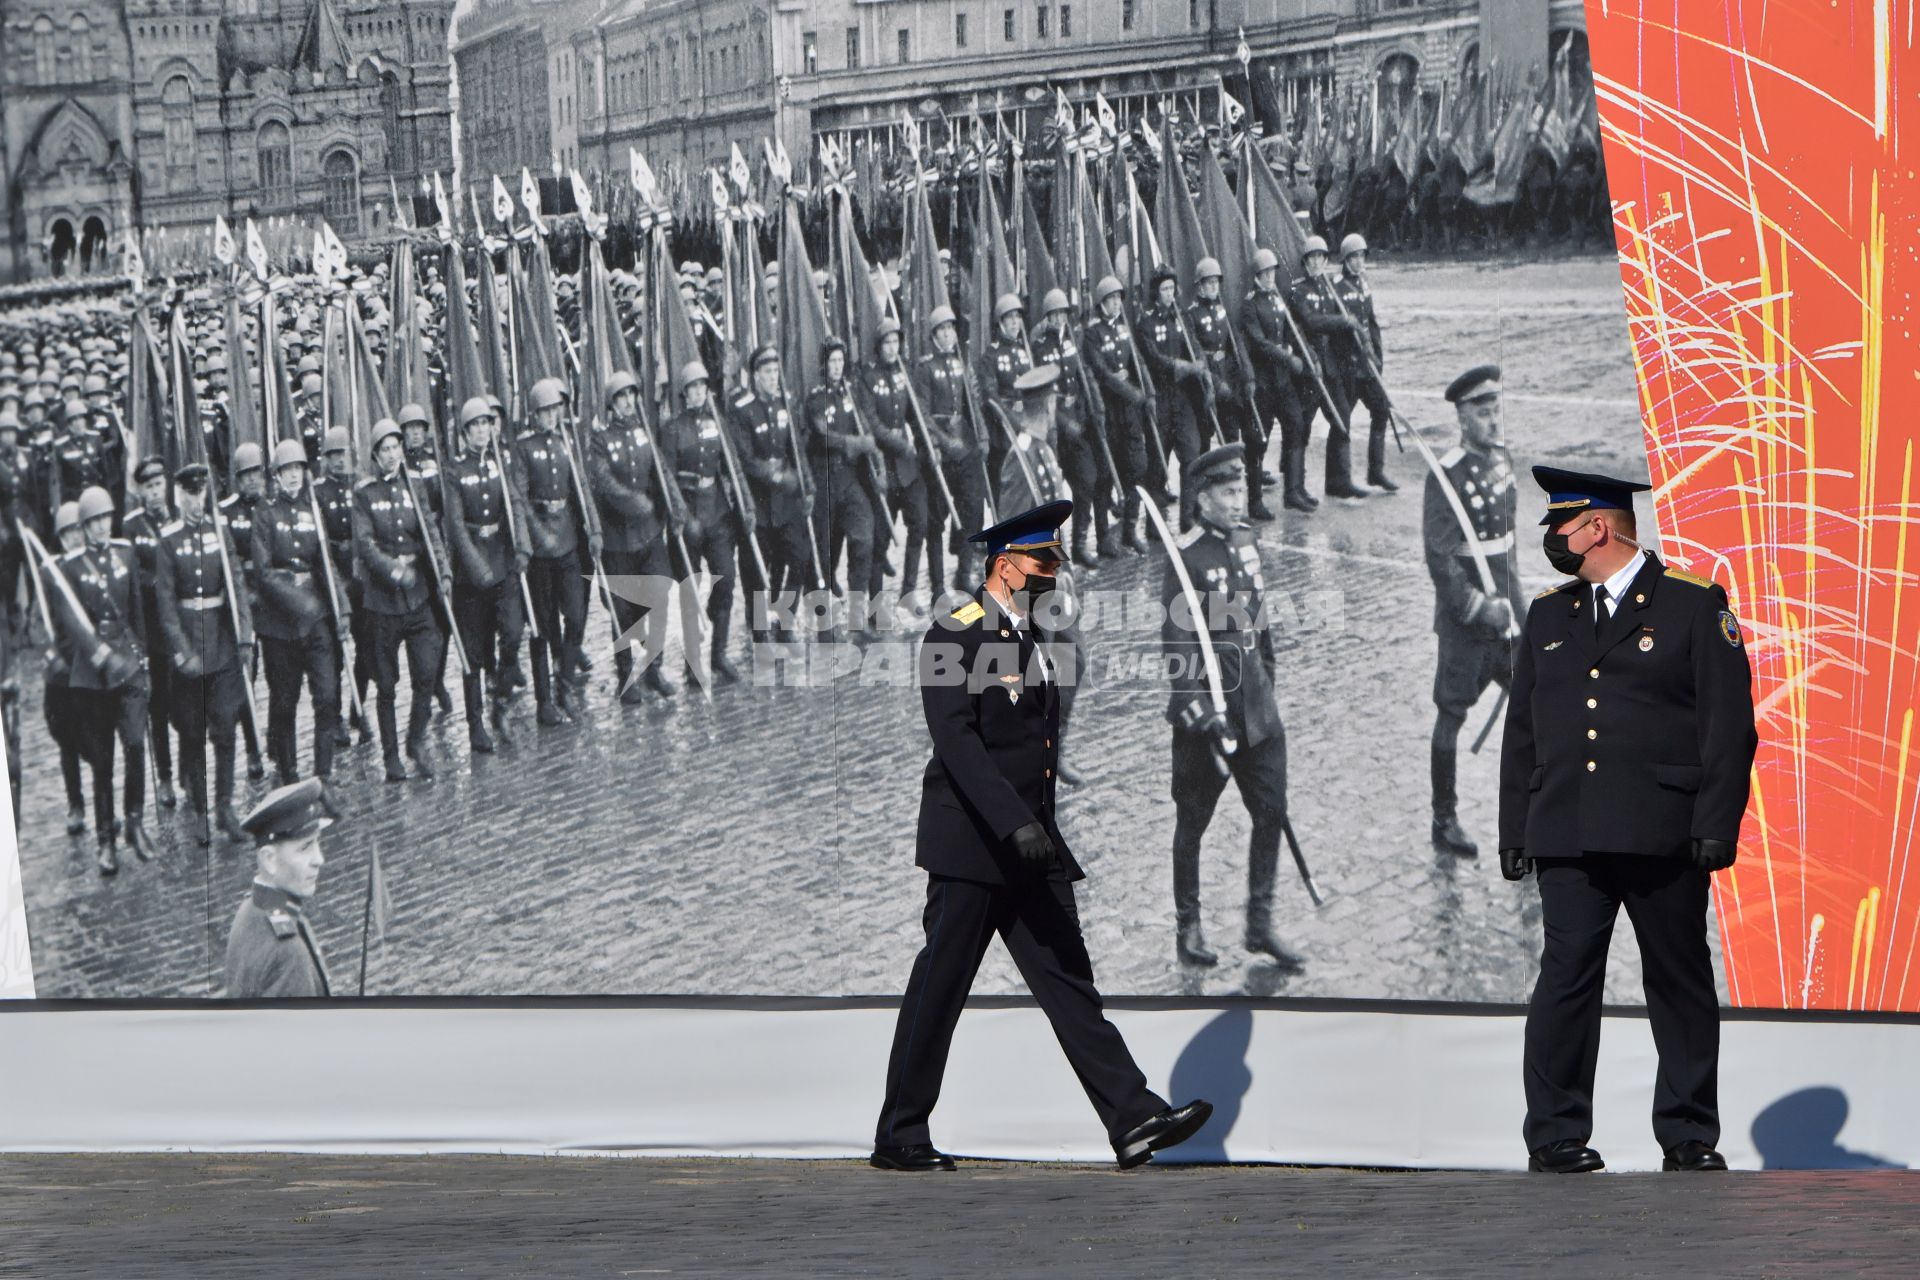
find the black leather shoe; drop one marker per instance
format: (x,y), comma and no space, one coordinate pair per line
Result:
(724,672)
(479,741)
(921,1157)
(1258,511)
(1569,1155)
(137,838)
(1168,1129)
(1693,1156)
(108,861)
(163,794)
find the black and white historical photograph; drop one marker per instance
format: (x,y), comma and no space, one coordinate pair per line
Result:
(482,479)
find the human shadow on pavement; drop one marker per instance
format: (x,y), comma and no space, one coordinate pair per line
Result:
(1802,1131)
(1214,1066)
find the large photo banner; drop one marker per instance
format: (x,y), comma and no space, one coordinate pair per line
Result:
(614,679)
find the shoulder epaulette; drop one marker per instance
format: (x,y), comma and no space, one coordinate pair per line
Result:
(742,400)
(283,923)
(969,613)
(365,481)
(74,554)
(1190,537)
(120,542)
(1557,587)
(172,527)
(1452,456)
(229,500)
(1690,578)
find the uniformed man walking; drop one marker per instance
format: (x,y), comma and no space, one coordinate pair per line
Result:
(626,470)
(142,528)
(1623,779)
(884,389)
(1076,440)
(765,437)
(945,386)
(1222,560)
(1282,382)
(1475,630)
(487,543)
(996,861)
(1182,385)
(272,953)
(847,461)
(295,616)
(554,574)
(698,453)
(1125,405)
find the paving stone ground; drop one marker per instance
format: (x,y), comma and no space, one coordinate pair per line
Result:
(160,1217)
(762,843)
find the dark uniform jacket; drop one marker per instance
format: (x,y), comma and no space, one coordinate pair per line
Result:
(483,535)
(106,581)
(288,576)
(1165,346)
(625,476)
(142,530)
(386,537)
(1029,475)
(553,508)
(884,390)
(271,951)
(77,461)
(336,508)
(1213,333)
(764,438)
(1270,340)
(1109,350)
(237,513)
(838,437)
(940,380)
(1313,302)
(1226,574)
(995,724)
(1001,365)
(1353,347)
(190,594)
(1485,484)
(1056,346)
(694,445)
(1638,740)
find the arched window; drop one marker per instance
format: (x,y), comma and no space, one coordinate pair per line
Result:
(80,35)
(46,58)
(93,245)
(340,180)
(1396,78)
(176,105)
(275,162)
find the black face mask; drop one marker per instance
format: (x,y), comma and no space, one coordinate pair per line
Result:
(1560,557)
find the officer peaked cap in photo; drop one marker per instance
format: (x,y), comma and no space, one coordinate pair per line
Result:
(1037,379)
(288,812)
(1572,493)
(1035,533)
(1224,463)
(1475,384)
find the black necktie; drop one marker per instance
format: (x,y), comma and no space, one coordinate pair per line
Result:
(1599,609)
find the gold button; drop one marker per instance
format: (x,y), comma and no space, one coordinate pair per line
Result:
(1049,773)
(1593,702)
(1639,597)
(1049,742)
(1591,766)
(1593,673)
(1593,733)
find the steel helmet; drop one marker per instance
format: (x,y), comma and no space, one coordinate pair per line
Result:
(620,381)
(307,365)
(939,316)
(337,441)
(1056,300)
(1313,244)
(247,457)
(287,453)
(95,384)
(74,409)
(384,430)
(413,415)
(1352,244)
(94,503)
(1007,302)
(66,517)
(691,372)
(475,407)
(1108,286)
(1206,269)
(545,394)
(1265,260)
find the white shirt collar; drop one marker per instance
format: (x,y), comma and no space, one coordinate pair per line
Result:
(1622,579)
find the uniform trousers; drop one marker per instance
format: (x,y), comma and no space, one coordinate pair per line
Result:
(1470,659)
(289,663)
(854,521)
(789,561)
(650,561)
(559,592)
(1040,924)
(712,547)
(491,620)
(64,712)
(109,714)
(1180,432)
(420,635)
(968,485)
(1357,386)
(1260,772)
(1085,473)
(1666,898)
(159,698)
(207,707)
(915,505)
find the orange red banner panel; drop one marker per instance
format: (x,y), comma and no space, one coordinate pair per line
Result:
(1760,157)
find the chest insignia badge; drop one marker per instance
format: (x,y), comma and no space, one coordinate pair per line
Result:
(1555,645)
(1646,644)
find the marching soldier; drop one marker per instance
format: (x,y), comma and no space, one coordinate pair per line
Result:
(624,467)
(555,577)
(308,400)
(847,458)
(76,457)
(487,541)
(1212,329)
(1182,385)
(941,381)
(394,558)
(142,529)
(1125,401)
(699,464)
(271,951)
(65,707)
(1076,422)
(1475,630)
(294,616)
(1364,357)
(1312,299)
(423,464)
(996,861)
(770,454)
(101,621)
(1624,775)
(886,389)
(1246,740)
(334,492)
(208,658)
(1006,357)
(237,511)
(1281,389)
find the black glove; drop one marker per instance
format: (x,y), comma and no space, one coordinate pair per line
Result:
(1713,855)
(1033,844)
(1514,864)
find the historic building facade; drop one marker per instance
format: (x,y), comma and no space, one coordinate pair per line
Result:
(515,62)
(163,113)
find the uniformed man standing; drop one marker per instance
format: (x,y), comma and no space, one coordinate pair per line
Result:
(208,658)
(1212,329)
(556,577)
(1314,302)
(65,707)
(1006,357)
(249,480)
(142,528)
(697,447)
(848,465)
(271,951)
(1623,779)
(1282,382)
(885,391)
(1075,441)
(1476,631)
(334,492)
(295,616)
(487,542)
(770,453)
(944,384)
(1182,386)
(1222,559)
(1126,404)
(625,473)
(1359,356)
(996,861)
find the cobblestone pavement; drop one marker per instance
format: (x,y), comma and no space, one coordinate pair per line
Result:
(214,1217)
(762,843)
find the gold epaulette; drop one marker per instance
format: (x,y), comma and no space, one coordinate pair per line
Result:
(1558,586)
(969,613)
(1694,579)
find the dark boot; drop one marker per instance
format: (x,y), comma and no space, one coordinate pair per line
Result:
(656,679)
(418,716)
(1189,944)
(163,794)
(1340,466)
(390,742)
(77,818)
(1448,836)
(544,710)
(1108,542)
(1293,468)
(230,824)
(442,698)
(108,861)
(477,736)
(724,672)
(1377,461)
(137,838)
(256,770)
(1081,556)
(1130,521)
(1263,865)
(195,820)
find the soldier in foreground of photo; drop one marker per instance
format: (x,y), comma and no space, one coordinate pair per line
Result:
(996,861)
(1244,739)
(271,951)
(1475,629)
(1624,774)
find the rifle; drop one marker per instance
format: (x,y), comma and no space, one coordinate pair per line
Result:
(926,442)
(443,585)
(340,627)
(742,498)
(980,432)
